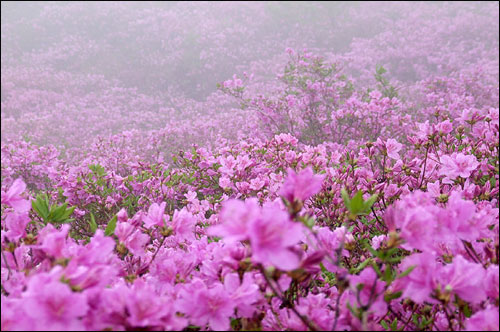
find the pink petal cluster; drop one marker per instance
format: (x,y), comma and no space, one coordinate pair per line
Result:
(13,197)
(457,165)
(269,229)
(301,185)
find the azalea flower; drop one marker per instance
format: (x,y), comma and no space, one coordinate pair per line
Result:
(272,235)
(155,216)
(302,185)
(458,164)
(13,197)
(202,305)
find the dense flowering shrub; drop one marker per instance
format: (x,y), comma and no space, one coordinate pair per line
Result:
(314,190)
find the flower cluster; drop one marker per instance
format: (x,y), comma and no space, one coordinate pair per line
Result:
(358,190)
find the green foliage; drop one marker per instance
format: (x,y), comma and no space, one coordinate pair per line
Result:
(110,228)
(98,170)
(54,214)
(308,221)
(93,224)
(357,205)
(384,85)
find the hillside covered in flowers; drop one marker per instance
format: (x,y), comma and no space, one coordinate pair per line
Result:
(250,166)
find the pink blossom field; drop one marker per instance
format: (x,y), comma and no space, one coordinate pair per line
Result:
(250,166)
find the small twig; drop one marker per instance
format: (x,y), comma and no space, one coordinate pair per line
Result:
(409,319)
(158,250)
(292,307)
(468,246)
(425,165)
(6,264)
(450,325)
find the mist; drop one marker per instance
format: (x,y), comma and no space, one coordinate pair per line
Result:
(76,71)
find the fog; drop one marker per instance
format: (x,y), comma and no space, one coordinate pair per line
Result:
(73,71)
(249,166)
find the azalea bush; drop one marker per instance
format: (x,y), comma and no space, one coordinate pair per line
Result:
(354,189)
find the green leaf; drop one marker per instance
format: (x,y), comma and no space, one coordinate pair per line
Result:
(308,222)
(394,324)
(467,311)
(41,206)
(357,203)
(381,70)
(388,275)
(56,212)
(93,224)
(377,269)
(59,213)
(68,212)
(110,228)
(370,201)
(374,252)
(97,170)
(392,296)
(406,272)
(354,310)
(346,199)
(213,239)
(362,265)
(414,318)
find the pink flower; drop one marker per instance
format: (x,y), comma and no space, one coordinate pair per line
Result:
(330,241)
(417,228)
(13,197)
(457,165)
(145,306)
(155,216)
(171,264)
(136,242)
(122,215)
(225,182)
(491,281)
(54,241)
(445,127)
(302,185)
(235,218)
(378,240)
(372,287)
(286,139)
(463,278)
(434,188)
(53,305)
(456,219)
(271,236)
(203,305)
(393,147)
(16,224)
(315,308)
(183,224)
(12,310)
(191,196)
(375,94)
(485,320)
(123,230)
(244,295)
(257,184)
(419,284)
(99,250)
